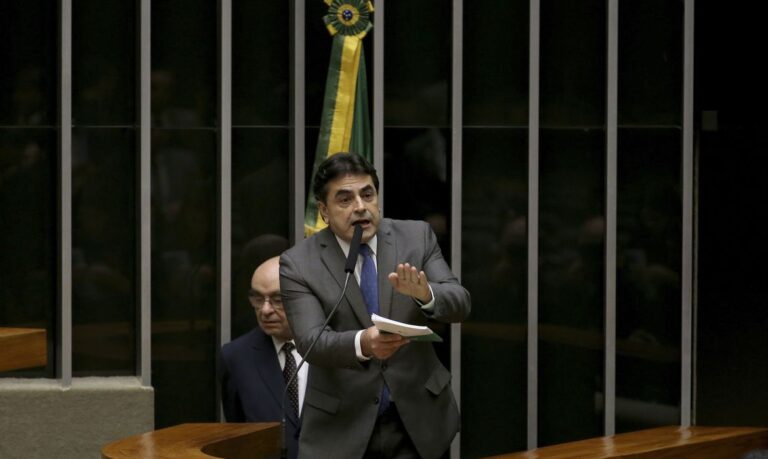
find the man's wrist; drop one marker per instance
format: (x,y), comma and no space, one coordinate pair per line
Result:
(430,301)
(359,346)
(424,300)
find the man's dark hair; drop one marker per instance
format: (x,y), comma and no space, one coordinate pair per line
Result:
(339,165)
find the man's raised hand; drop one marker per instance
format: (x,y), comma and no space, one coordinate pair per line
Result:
(409,281)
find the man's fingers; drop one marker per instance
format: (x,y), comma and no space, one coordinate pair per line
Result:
(390,337)
(407,273)
(402,272)
(383,345)
(408,280)
(414,275)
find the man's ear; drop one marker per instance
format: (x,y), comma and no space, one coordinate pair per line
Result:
(323,210)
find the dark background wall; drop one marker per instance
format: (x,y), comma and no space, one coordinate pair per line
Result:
(732,297)
(731,334)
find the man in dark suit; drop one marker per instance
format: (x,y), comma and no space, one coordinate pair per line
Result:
(370,394)
(254,366)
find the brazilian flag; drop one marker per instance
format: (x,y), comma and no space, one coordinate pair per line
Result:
(344,125)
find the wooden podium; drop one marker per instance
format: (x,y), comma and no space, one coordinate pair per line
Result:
(661,443)
(262,441)
(196,441)
(22,348)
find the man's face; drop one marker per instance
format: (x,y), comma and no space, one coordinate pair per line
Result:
(265,288)
(351,199)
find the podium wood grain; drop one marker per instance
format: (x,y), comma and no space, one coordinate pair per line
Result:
(22,348)
(660,443)
(204,440)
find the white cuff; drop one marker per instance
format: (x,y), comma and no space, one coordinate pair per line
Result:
(359,347)
(429,307)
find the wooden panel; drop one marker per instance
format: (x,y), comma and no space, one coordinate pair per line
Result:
(22,348)
(660,443)
(197,441)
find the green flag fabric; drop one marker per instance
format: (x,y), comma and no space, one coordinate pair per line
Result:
(344,123)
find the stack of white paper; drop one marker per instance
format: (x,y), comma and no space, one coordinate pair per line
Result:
(412,332)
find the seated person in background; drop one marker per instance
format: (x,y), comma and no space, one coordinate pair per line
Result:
(255,368)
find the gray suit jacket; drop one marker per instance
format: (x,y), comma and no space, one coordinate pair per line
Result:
(341,402)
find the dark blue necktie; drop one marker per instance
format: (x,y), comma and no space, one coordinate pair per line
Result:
(370,288)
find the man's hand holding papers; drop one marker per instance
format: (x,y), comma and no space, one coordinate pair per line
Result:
(412,332)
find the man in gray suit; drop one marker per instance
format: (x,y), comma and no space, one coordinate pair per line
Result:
(370,394)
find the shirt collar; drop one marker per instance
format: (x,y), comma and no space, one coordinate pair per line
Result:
(278,343)
(373,244)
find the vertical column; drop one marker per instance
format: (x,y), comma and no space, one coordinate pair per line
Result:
(225,181)
(686,379)
(144,353)
(457,107)
(533,224)
(297,117)
(609,422)
(378,96)
(225,171)
(64,349)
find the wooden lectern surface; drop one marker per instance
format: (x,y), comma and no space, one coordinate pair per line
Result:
(22,348)
(660,443)
(197,441)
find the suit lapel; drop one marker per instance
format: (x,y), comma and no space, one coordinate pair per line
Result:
(333,259)
(385,264)
(268,365)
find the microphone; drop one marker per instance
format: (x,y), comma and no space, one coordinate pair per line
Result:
(354,250)
(349,268)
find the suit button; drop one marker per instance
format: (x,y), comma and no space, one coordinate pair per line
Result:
(376,400)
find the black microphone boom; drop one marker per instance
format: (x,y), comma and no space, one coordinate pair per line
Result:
(354,250)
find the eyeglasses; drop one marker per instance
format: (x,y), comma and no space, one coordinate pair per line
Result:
(258,301)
